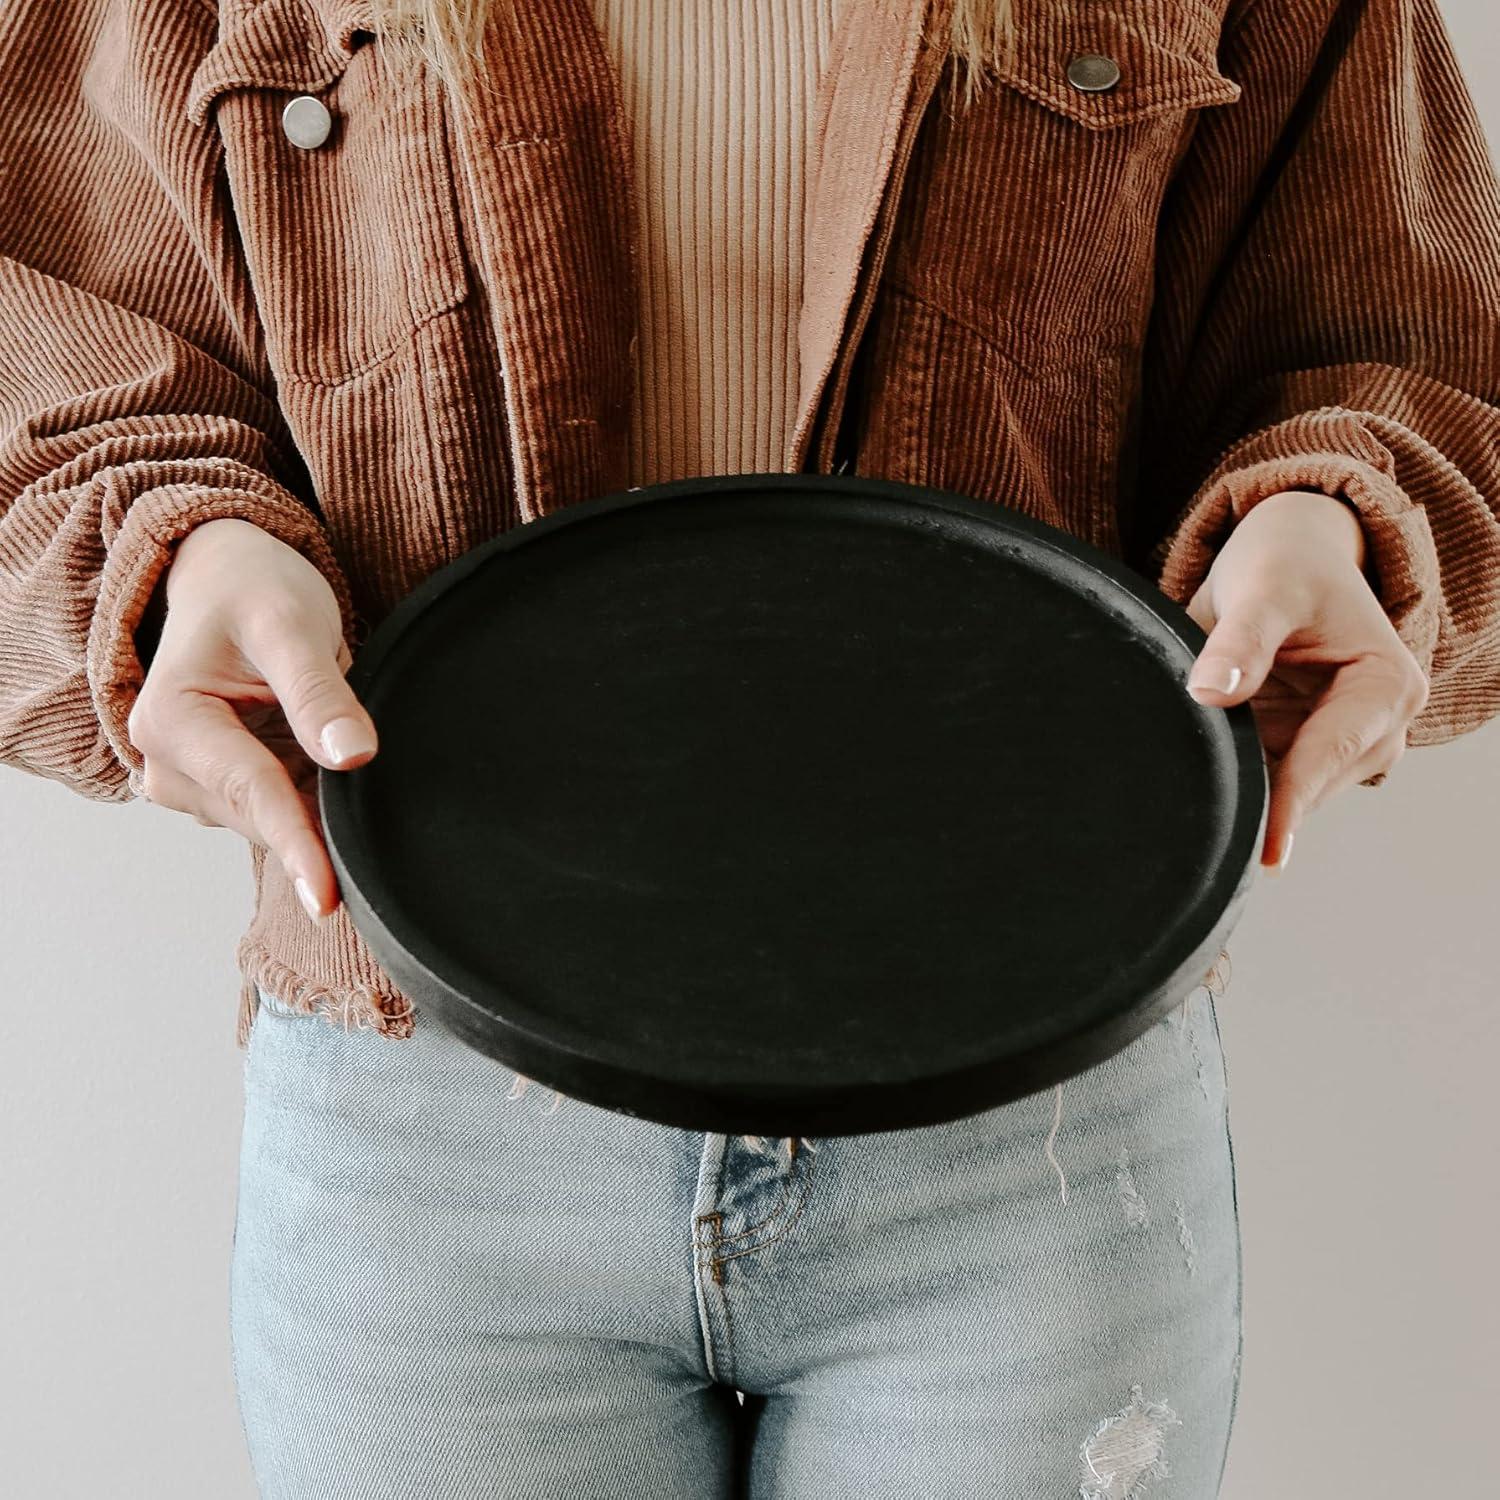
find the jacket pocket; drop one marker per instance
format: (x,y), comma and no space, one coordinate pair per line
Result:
(1030,215)
(947,405)
(1007,333)
(354,244)
(1165,52)
(1031,212)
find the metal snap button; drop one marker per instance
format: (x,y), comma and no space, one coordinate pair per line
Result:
(306,121)
(1093,74)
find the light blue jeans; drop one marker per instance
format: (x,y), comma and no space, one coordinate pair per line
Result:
(444,1286)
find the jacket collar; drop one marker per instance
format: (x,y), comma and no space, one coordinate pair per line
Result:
(884,62)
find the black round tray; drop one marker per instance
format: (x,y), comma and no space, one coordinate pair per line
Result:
(793,804)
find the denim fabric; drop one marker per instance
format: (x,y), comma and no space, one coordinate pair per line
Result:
(446,1286)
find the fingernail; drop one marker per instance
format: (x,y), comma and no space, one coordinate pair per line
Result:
(1217,675)
(308,900)
(1286,854)
(343,739)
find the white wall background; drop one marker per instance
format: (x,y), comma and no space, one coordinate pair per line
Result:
(1362,1031)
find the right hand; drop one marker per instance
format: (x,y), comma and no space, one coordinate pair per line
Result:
(250,622)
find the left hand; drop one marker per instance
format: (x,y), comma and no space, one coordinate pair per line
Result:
(1331,684)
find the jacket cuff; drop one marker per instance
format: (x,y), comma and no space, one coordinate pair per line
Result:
(1401,559)
(153,523)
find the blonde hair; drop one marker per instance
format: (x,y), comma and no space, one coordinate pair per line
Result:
(447,35)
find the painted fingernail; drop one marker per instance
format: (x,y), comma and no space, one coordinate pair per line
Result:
(1286,854)
(1217,676)
(343,739)
(308,900)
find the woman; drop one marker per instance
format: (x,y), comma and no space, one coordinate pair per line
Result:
(306,298)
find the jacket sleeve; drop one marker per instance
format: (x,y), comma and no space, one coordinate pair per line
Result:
(1328,319)
(134,400)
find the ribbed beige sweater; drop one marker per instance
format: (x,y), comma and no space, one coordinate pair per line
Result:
(719,95)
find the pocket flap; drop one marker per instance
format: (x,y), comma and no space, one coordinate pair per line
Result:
(1165,51)
(297,45)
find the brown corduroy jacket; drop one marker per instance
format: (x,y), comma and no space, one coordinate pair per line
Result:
(1268,258)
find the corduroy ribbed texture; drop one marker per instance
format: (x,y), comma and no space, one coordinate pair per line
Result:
(1269,258)
(719,95)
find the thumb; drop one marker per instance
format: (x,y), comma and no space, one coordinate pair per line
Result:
(321,709)
(1239,654)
